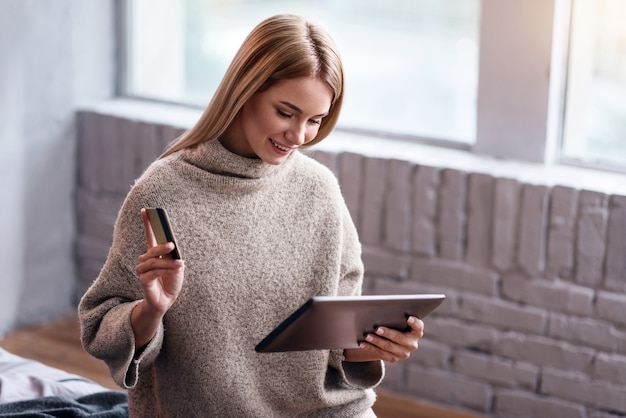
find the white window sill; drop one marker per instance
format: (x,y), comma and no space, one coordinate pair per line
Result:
(576,177)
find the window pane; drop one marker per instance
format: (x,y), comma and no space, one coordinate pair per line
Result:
(595,119)
(411,66)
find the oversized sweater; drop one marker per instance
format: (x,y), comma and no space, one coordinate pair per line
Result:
(258,240)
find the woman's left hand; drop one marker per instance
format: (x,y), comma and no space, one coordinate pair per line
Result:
(388,344)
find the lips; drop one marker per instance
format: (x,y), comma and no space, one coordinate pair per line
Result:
(280,147)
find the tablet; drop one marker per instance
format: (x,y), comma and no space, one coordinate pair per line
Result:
(338,322)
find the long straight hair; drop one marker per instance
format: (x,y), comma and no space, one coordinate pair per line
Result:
(281,47)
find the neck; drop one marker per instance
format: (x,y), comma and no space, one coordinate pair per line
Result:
(233,141)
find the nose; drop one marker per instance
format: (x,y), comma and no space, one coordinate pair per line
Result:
(296,134)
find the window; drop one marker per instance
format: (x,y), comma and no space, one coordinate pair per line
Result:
(411,69)
(502,79)
(595,118)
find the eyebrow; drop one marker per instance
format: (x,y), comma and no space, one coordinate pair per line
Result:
(298,110)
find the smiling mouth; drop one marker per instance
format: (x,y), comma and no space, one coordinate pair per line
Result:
(280,147)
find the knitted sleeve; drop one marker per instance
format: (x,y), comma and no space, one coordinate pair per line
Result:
(105,309)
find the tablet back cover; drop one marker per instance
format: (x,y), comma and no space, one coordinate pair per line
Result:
(338,322)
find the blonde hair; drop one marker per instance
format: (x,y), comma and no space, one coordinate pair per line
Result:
(280,47)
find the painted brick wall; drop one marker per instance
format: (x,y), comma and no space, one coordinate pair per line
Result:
(534,324)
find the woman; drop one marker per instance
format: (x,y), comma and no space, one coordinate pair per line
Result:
(262,228)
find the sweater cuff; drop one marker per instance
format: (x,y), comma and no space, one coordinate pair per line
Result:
(359,375)
(363,375)
(138,359)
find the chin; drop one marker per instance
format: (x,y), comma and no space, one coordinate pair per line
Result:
(274,161)
(271,156)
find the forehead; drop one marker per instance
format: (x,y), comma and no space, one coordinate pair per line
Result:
(310,94)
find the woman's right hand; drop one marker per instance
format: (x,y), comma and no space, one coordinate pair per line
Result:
(161,276)
(161,279)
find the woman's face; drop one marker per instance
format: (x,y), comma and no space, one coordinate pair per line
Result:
(276,121)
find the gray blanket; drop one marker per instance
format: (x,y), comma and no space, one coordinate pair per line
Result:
(110,404)
(29,388)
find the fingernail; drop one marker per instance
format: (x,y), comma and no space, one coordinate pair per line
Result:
(380,331)
(369,338)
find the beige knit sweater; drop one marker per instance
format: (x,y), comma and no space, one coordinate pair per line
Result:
(258,241)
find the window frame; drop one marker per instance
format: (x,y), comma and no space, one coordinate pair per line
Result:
(533,92)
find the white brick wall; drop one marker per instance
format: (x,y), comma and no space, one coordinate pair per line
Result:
(535,318)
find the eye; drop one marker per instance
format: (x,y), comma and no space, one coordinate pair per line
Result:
(283,114)
(315,121)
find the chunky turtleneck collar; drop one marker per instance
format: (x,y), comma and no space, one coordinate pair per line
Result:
(213,157)
(215,166)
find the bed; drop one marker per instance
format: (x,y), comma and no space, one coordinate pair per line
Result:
(32,389)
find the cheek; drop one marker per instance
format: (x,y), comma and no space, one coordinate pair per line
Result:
(259,124)
(265,119)
(312,132)
(275,125)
